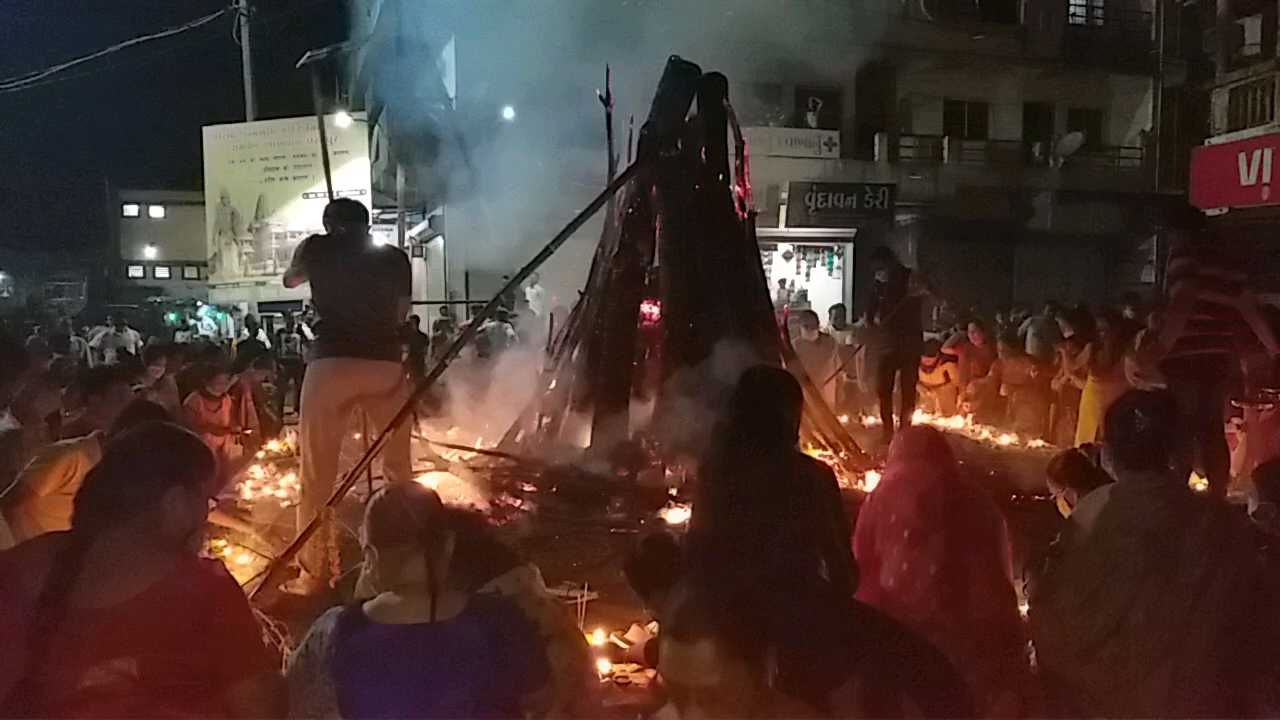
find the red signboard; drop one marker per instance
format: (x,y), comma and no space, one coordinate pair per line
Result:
(1236,174)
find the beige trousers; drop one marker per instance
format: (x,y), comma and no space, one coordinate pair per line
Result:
(333,389)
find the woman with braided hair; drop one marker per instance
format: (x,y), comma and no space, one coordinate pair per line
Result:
(428,644)
(119,616)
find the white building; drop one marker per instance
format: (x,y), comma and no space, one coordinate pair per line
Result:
(160,237)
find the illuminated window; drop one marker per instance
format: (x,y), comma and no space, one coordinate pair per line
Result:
(155,212)
(161,272)
(136,272)
(130,210)
(1086,12)
(190,272)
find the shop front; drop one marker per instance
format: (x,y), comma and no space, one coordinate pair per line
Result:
(811,260)
(1232,183)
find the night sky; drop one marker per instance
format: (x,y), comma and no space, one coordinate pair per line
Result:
(132,118)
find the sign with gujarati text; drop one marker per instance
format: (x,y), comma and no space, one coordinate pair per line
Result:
(264,189)
(824,204)
(1235,174)
(792,142)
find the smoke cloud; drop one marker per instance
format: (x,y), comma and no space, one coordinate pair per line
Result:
(511,185)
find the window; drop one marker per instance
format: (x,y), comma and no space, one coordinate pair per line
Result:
(760,104)
(1250,34)
(135,272)
(1251,104)
(162,272)
(965,119)
(817,108)
(190,272)
(130,210)
(1089,122)
(155,212)
(1086,12)
(1037,122)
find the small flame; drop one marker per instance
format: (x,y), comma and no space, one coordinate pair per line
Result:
(603,666)
(676,513)
(597,637)
(1198,482)
(870,479)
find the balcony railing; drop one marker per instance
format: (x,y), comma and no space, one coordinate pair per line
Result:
(937,149)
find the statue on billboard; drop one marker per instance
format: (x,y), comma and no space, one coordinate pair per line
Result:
(227,223)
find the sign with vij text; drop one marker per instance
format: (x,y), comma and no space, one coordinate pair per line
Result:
(264,189)
(1235,174)
(823,204)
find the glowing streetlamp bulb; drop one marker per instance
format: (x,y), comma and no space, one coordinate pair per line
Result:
(343,119)
(150,251)
(508,113)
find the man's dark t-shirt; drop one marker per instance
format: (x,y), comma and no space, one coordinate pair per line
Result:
(897,312)
(356,287)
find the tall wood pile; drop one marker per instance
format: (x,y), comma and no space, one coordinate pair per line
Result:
(676,290)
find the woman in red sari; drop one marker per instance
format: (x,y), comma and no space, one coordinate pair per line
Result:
(934,554)
(119,616)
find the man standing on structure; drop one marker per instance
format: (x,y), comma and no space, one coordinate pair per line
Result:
(361,291)
(894,313)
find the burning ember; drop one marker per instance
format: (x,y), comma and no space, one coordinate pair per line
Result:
(676,513)
(866,481)
(243,563)
(452,489)
(267,482)
(650,312)
(964,425)
(272,477)
(1198,482)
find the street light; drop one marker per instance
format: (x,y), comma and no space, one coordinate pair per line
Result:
(343,119)
(508,113)
(150,251)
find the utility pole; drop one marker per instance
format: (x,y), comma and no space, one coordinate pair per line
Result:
(246,61)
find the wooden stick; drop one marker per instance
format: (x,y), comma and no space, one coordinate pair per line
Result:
(466,336)
(485,451)
(606,99)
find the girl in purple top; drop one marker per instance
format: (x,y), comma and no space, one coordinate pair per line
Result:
(425,646)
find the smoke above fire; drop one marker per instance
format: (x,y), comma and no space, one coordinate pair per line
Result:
(526,148)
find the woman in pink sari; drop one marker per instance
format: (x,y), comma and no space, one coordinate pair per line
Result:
(934,554)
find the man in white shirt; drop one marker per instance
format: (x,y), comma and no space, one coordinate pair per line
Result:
(536,296)
(252,330)
(116,337)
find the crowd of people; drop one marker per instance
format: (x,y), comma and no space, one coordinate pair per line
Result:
(779,602)
(1052,374)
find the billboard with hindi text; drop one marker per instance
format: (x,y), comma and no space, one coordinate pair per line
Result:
(265,191)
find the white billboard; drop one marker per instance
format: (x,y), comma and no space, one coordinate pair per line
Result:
(264,189)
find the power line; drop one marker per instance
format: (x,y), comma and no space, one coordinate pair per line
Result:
(22,81)
(261,22)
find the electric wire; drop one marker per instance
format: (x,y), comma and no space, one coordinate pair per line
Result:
(20,81)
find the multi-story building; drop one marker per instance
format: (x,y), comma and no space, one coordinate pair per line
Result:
(160,237)
(1232,175)
(1015,151)
(1017,146)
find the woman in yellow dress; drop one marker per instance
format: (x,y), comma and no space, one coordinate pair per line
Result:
(1103,357)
